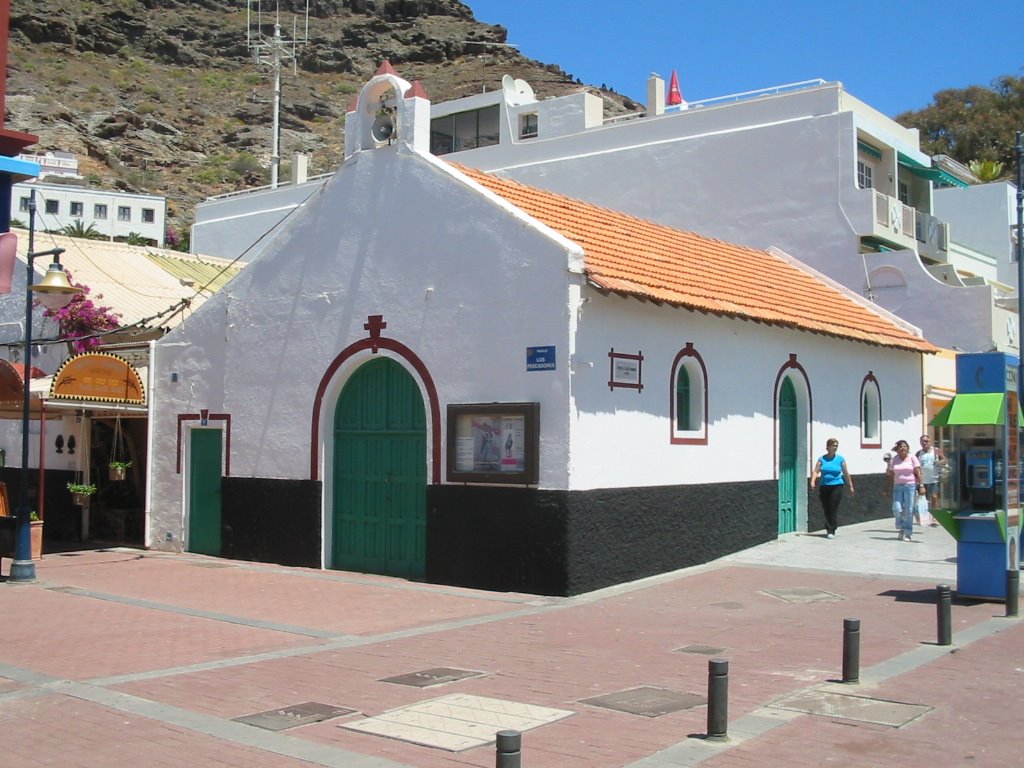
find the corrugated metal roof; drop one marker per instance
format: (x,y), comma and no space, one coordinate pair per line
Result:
(140,283)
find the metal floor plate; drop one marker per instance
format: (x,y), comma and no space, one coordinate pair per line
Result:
(704,650)
(879,711)
(804,595)
(456,722)
(647,701)
(428,677)
(290,717)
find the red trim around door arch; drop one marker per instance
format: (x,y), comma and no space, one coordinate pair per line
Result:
(375,343)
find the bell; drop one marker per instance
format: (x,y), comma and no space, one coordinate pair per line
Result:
(55,291)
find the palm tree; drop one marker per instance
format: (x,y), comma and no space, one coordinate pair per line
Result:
(986,170)
(134,238)
(77,230)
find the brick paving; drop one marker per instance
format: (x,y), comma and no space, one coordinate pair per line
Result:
(143,659)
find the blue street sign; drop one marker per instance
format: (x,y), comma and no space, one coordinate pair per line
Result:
(540,358)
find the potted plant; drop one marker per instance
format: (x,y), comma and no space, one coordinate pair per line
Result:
(36,524)
(80,493)
(117,469)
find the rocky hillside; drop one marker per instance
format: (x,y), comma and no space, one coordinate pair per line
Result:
(165,97)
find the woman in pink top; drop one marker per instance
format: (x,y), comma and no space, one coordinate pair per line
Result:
(904,479)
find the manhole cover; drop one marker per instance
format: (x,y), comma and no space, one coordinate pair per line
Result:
(429,677)
(647,701)
(706,650)
(456,722)
(804,595)
(878,711)
(289,717)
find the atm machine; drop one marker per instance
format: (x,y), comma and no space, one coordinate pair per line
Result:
(981,495)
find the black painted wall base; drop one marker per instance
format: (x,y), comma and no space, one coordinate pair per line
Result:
(569,542)
(514,539)
(271,521)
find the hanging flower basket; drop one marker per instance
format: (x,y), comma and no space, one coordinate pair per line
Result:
(80,493)
(118,469)
(119,461)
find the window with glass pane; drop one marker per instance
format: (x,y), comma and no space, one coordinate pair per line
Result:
(466,131)
(528,126)
(442,135)
(864,175)
(99,211)
(489,133)
(77,208)
(53,206)
(870,412)
(124,213)
(23,204)
(683,418)
(148,215)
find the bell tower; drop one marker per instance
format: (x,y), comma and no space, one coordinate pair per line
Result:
(388,110)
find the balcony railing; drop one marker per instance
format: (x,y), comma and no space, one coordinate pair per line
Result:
(932,237)
(891,214)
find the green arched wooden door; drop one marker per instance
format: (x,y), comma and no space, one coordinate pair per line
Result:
(380,473)
(787,457)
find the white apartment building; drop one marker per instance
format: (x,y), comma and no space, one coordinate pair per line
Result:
(62,200)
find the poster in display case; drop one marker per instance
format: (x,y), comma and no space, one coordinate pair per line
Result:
(493,443)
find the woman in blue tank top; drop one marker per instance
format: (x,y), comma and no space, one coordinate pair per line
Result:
(830,477)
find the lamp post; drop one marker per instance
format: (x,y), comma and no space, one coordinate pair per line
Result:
(1020,268)
(55,291)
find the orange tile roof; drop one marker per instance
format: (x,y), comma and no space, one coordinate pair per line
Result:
(635,257)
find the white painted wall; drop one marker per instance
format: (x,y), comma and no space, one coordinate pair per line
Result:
(981,218)
(65,426)
(621,437)
(463,282)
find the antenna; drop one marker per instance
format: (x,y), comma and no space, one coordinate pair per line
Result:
(269,53)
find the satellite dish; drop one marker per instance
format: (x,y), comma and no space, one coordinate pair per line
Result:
(383,128)
(508,85)
(524,91)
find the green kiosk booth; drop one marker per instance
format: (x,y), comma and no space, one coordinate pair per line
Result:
(979,483)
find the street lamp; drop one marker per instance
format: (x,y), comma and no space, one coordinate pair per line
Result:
(55,291)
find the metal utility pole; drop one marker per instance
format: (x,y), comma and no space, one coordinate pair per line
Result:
(272,53)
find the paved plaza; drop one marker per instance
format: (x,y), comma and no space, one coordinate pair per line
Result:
(132,658)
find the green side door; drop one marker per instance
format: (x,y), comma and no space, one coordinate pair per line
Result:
(787,457)
(380,473)
(205,457)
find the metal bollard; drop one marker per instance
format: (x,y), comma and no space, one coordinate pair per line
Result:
(943,610)
(508,749)
(718,699)
(1012,592)
(851,650)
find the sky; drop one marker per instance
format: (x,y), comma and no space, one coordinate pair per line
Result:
(892,55)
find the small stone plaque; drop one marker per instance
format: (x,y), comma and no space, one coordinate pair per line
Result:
(647,701)
(705,650)
(428,677)
(290,717)
(804,595)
